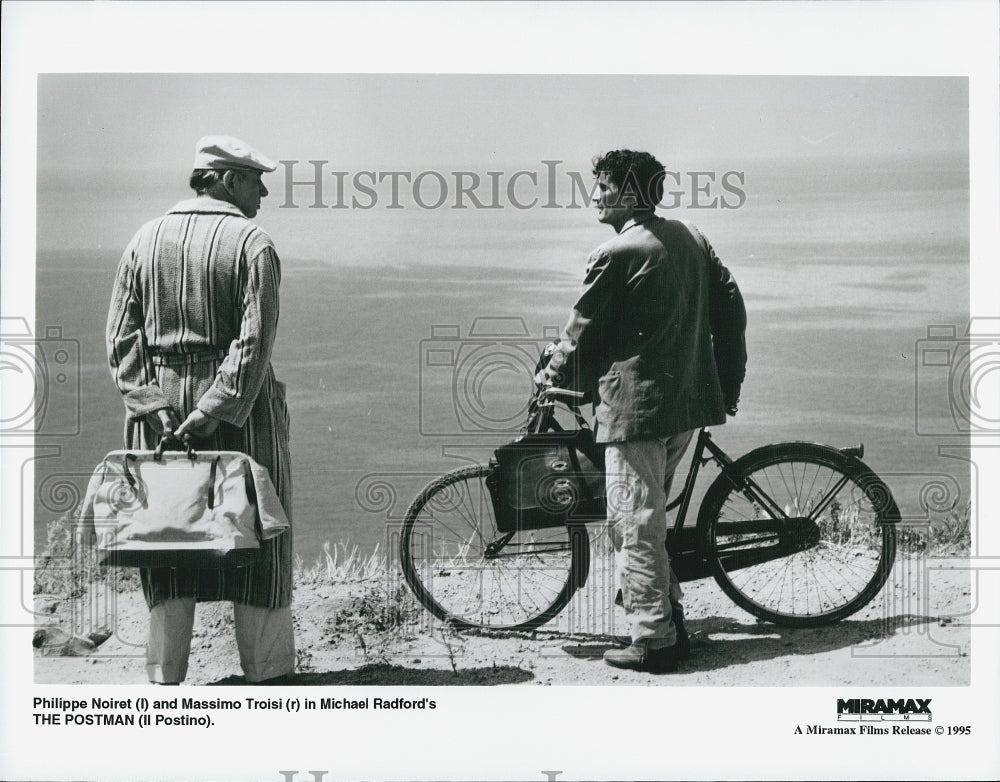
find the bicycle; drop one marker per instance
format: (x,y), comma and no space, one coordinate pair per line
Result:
(798,534)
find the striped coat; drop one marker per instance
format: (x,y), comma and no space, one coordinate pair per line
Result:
(192,323)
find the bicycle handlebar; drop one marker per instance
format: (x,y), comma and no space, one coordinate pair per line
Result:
(554,391)
(542,405)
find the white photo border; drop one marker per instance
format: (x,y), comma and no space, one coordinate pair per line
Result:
(585,732)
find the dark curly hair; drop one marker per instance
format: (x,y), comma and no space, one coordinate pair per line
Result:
(636,173)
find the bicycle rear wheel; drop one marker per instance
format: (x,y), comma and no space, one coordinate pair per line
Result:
(463,570)
(799,534)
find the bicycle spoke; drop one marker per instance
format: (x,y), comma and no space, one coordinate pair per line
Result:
(831,550)
(828,498)
(473,515)
(436,518)
(446,536)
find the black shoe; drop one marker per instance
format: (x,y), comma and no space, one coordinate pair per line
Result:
(639,658)
(683,642)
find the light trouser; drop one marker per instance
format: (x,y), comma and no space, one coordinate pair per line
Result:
(639,474)
(264,637)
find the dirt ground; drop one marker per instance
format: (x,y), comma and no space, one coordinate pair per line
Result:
(915,632)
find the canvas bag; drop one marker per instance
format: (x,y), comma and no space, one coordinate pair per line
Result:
(547,479)
(164,508)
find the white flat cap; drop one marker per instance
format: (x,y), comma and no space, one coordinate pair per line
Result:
(227,152)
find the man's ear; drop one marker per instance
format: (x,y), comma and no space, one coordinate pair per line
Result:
(229,179)
(627,197)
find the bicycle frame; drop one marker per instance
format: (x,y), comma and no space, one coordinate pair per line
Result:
(698,461)
(749,487)
(780,500)
(788,533)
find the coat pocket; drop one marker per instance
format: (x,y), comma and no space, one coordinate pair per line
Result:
(609,387)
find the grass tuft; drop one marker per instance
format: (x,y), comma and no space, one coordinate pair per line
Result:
(946,533)
(949,533)
(341,563)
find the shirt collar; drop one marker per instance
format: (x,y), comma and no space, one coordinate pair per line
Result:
(639,219)
(206,205)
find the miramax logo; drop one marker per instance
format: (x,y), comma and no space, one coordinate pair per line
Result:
(863,709)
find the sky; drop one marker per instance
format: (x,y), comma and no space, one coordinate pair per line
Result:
(118,122)
(128,139)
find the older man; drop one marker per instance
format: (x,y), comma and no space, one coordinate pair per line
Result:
(658,340)
(189,336)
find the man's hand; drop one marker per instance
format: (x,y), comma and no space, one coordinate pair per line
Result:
(551,374)
(199,425)
(164,421)
(731,400)
(545,378)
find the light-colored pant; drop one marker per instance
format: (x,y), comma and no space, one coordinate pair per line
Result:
(639,474)
(264,637)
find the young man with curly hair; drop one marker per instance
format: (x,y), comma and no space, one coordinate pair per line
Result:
(657,339)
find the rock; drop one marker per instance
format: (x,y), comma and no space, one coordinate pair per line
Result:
(99,636)
(54,641)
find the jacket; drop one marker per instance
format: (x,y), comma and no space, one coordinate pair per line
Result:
(659,331)
(192,322)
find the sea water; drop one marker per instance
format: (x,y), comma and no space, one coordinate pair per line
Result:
(407,337)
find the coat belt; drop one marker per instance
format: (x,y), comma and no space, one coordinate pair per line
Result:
(169,359)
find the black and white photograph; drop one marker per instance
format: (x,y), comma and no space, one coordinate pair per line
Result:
(470,372)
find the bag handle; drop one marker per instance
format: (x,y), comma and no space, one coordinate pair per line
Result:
(177,443)
(167,442)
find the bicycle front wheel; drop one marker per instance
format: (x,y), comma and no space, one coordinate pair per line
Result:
(463,570)
(799,534)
